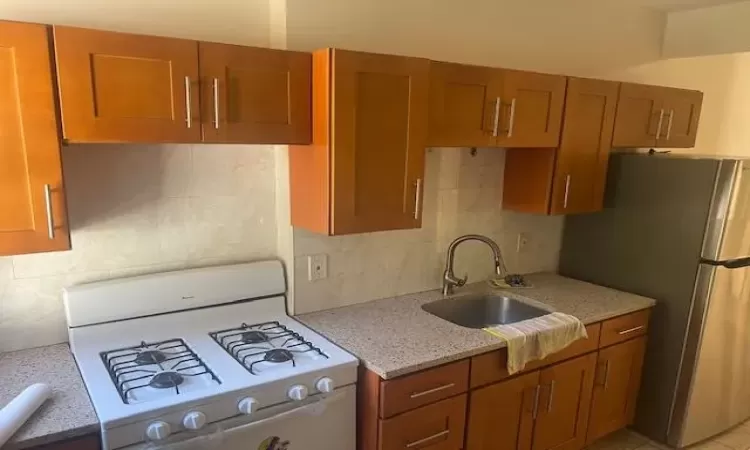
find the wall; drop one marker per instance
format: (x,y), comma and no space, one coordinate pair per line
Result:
(708,31)
(231,21)
(140,209)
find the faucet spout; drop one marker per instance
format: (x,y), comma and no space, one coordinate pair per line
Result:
(449,278)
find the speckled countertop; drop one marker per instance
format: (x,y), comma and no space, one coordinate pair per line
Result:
(68,413)
(394,336)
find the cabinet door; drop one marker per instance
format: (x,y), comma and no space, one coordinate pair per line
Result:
(379,133)
(682,110)
(532,109)
(564,405)
(618,378)
(639,116)
(117,87)
(255,95)
(32,204)
(501,415)
(464,105)
(581,167)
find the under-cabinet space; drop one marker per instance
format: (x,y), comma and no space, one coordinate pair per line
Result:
(32,198)
(365,169)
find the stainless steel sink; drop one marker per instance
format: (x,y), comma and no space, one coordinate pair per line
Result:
(480,311)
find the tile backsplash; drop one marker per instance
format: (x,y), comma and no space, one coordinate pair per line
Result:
(462,196)
(142,209)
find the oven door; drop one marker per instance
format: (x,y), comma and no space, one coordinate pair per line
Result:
(327,423)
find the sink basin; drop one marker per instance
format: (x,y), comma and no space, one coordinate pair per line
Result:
(480,311)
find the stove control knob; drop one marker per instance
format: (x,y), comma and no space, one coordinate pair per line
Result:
(298,392)
(194,420)
(248,405)
(158,430)
(325,385)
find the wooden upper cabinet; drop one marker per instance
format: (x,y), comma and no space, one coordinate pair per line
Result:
(531,109)
(655,116)
(501,415)
(618,379)
(365,170)
(255,95)
(639,116)
(117,87)
(571,178)
(682,110)
(32,201)
(463,105)
(564,404)
(582,158)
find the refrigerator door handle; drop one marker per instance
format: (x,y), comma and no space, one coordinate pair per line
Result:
(728,263)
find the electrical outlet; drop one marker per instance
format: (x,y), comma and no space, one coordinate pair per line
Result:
(523,242)
(317,267)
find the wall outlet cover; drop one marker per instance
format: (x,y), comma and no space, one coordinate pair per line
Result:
(523,242)
(317,267)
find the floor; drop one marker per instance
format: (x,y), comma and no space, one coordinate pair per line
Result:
(737,438)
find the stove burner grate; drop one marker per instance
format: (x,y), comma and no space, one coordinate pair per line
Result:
(267,342)
(159,365)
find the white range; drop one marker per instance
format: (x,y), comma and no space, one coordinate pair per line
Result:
(209,359)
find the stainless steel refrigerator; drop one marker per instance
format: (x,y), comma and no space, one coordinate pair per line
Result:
(677,229)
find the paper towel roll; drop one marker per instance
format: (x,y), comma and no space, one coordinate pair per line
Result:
(18,411)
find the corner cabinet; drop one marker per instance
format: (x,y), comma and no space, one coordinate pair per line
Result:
(32,198)
(563,402)
(365,169)
(117,87)
(655,116)
(569,179)
(481,106)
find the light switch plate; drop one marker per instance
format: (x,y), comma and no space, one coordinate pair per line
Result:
(317,267)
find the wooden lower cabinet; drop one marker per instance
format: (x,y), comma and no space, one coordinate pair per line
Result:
(501,415)
(90,442)
(563,409)
(618,378)
(439,426)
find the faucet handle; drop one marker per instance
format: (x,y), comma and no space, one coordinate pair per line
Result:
(462,281)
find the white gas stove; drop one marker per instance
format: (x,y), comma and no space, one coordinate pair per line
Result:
(208,358)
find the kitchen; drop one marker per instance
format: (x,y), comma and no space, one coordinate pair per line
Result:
(132,206)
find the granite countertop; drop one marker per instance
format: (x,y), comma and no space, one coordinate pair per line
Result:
(394,336)
(66,414)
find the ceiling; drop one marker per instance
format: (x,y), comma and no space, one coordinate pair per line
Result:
(680,5)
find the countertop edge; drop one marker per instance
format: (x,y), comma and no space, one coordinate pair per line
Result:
(53,438)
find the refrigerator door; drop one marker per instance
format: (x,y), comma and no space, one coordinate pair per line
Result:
(728,229)
(715,395)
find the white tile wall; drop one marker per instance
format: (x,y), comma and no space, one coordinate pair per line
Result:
(462,195)
(141,209)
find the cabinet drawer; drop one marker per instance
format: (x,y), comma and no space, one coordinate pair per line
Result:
(624,327)
(491,367)
(439,426)
(412,391)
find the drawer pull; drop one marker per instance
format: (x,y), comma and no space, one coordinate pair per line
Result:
(631,330)
(432,391)
(428,439)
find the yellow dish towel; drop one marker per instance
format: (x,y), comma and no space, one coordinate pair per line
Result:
(536,338)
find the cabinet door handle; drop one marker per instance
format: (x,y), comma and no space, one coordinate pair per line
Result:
(418,199)
(512,119)
(631,330)
(661,120)
(428,439)
(496,120)
(551,396)
(50,218)
(188,104)
(669,123)
(567,191)
(216,102)
(535,410)
(606,375)
(432,391)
